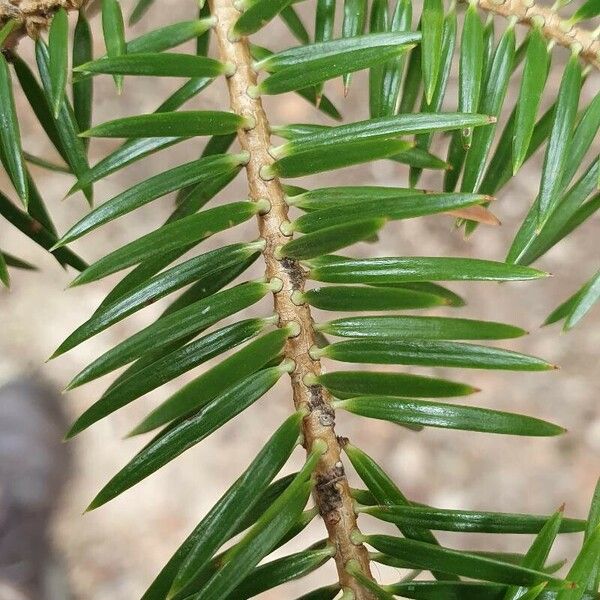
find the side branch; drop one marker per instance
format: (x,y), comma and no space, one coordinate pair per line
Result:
(553,26)
(33,15)
(331,492)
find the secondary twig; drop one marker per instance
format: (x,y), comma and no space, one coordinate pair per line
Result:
(33,15)
(553,26)
(332,492)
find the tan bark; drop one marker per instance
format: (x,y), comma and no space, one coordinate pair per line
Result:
(331,493)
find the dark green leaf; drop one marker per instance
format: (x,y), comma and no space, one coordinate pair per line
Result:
(584,564)
(588,10)
(489,36)
(58,46)
(37,100)
(465,521)
(146,269)
(139,10)
(592,523)
(537,62)
(261,539)
(292,20)
(463,590)
(453,561)
(353,25)
(393,70)
(576,307)
(386,492)
(195,171)
(136,149)
(324,20)
(310,94)
(232,509)
(492,99)
(435,105)
(83,91)
(177,325)
(7,28)
(340,269)
(391,208)
(204,288)
(426,413)
(34,230)
(455,159)
(378,22)
(330,239)
(358,298)
(333,197)
(16,262)
(328,592)
(583,136)
(412,82)
(160,285)
(302,56)
(376,591)
(432,23)
(4,276)
(471,66)
(421,159)
(538,552)
(430,353)
(594,513)
(114,34)
(174,124)
(424,328)
(327,157)
(169,36)
(380,129)
(203,40)
(499,171)
(66,124)
(557,151)
(297,526)
(199,392)
(159,64)
(347,384)
(280,571)
(571,211)
(166,368)
(188,433)
(257,15)
(170,237)
(10,136)
(315,68)
(450,298)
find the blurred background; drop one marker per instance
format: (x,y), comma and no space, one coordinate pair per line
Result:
(115,552)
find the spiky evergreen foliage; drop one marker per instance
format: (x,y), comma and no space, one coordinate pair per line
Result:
(409,57)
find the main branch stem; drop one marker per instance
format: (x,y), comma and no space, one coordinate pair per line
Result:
(332,492)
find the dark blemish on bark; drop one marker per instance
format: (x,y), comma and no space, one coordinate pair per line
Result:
(328,495)
(294,271)
(317,404)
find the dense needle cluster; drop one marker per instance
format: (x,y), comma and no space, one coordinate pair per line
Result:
(303,239)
